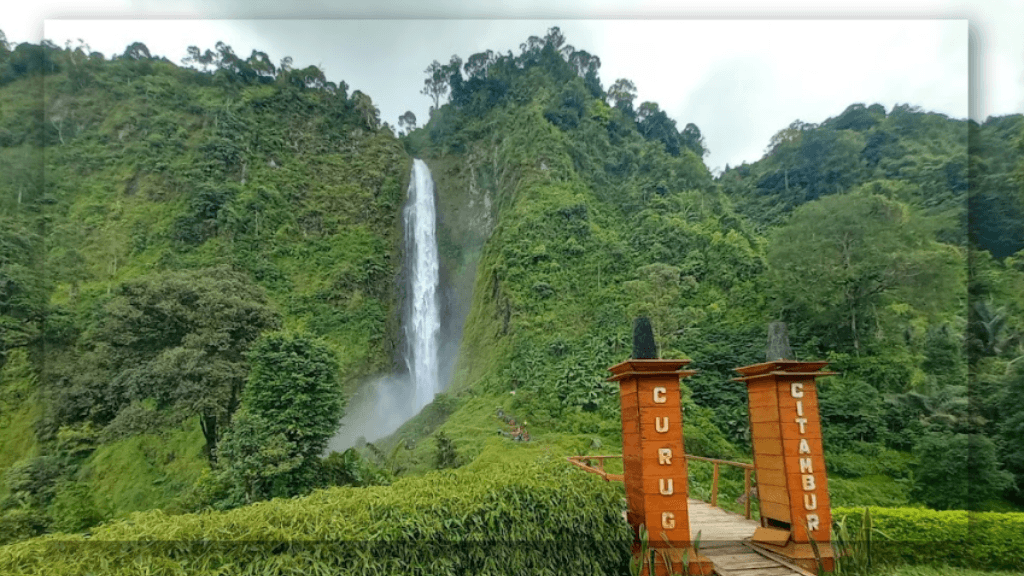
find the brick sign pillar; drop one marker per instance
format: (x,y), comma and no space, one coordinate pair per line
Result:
(788,460)
(654,461)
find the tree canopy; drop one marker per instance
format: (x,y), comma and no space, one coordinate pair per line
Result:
(180,339)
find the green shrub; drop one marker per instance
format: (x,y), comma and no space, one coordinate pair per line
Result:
(349,468)
(982,540)
(864,459)
(958,471)
(527,517)
(20,523)
(74,509)
(446,455)
(872,490)
(32,481)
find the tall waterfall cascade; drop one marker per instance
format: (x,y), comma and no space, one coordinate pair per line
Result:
(422,315)
(382,404)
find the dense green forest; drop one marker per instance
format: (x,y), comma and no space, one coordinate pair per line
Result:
(184,246)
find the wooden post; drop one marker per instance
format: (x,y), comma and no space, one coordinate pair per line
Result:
(746,489)
(714,486)
(654,461)
(789,461)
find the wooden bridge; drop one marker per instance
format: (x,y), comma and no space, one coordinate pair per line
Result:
(724,536)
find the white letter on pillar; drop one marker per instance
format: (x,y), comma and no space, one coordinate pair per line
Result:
(659,394)
(803,425)
(661,424)
(811,501)
(812,522)
(805,448)
(666,490)
(664,455)
(799,407)
(808,481)
(805,466)
(668,520)
(796,389)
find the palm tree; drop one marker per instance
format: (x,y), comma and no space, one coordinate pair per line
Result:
(987,333)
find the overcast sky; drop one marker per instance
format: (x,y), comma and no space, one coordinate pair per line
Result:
(739,80)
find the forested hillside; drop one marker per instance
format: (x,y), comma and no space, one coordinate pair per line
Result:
(853,232)
(176,240)
(156,220)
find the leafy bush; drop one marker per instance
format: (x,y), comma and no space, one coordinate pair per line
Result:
(523,518)
(349,468)
(850,412)
(32,481)
(136,418)
(446,455)
(958,471)
(74,508)
(872,490)
(20,523)
(983,540)
(255,458)
(865,459)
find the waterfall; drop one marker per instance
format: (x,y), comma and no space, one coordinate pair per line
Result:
(384,403)
(422,315)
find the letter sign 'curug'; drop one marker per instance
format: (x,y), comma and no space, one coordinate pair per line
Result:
(654,459)
(659,394)
(668,520)
(661,424)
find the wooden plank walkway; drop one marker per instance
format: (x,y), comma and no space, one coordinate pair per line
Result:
(725,540)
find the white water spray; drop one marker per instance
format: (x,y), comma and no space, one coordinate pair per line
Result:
(423,316)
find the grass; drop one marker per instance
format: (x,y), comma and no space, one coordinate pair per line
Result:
(871,490)
(18,438)
(19,410)
(943,571)
(146,471)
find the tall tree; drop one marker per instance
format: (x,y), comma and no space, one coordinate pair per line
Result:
(654,124)
(137,51)
(621,95)
(407,121)
(655,295)
(366,109)
(22,292)
(180,338)
(838,259)
(435,84)
(293,401)
(261,63)
(477,64)
(692,139)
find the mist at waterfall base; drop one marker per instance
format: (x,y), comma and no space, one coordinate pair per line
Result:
(382,404)
(378,407)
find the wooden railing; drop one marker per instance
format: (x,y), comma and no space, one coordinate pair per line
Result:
(585,461)
(595,464)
